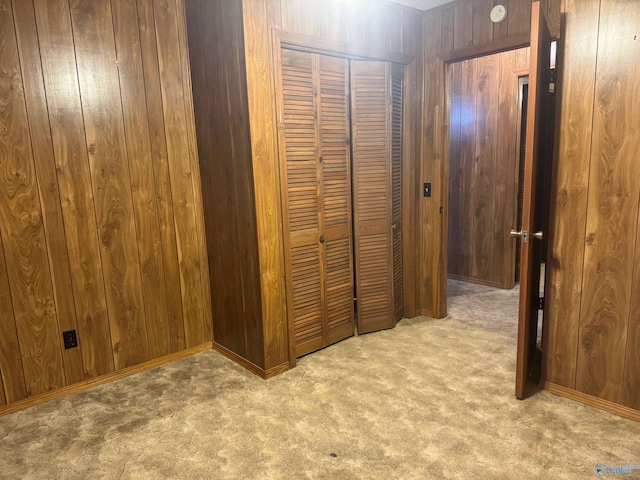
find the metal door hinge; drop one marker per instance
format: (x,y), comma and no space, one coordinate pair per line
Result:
(541,303)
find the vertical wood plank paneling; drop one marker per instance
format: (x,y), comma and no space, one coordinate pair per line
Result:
(463,25)
(506,178)
(519,17)
(631,387)
(482,24)
(500,30)
(195,169)
(11,374)
(612,207)
(104,129)
(46,174)
(159,155)
(448,29)
(434,93)
(136,127)
(576,87)
(268,211)
(22,229)
(74,179)
(454,94)
(175,119)
(483,200)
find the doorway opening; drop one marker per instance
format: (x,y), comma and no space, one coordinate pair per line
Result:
(497,177)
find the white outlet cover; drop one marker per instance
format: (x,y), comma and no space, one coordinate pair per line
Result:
(498,13)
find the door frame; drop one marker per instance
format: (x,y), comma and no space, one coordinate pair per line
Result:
(443,136)
(410,155)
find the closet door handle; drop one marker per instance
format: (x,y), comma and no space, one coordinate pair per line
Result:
(321,239)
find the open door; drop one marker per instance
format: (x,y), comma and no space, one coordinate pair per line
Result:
(534,216)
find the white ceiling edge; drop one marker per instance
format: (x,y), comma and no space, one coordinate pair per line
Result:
(423,4)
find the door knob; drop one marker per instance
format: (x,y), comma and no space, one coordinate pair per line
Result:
(538,235)
(321,239)
(523,234)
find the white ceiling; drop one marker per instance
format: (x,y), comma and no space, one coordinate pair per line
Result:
(423,4)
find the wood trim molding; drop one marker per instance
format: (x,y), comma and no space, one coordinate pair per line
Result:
(305,43)
(508,43)
(253,368)
(94,382)
(592,401)
(477,281)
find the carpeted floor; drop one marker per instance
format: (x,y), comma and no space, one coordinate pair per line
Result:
(429,399)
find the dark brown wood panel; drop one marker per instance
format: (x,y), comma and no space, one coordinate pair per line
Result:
(483,100)
(217,62)
(180,169)
(91,186)
(74,179)
(631,387)
(143,189)
(36,101)
(104,130)
(473,35)
(576,88)
(166,221)
(22,229)
(11,376)
(612,214)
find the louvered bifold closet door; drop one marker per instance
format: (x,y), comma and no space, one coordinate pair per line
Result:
(396,172)
(371,126)
(336,196)
(313,138)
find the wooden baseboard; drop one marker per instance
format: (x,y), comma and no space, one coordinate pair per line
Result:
(252,367)
(478,281)
(94,382)
(592,401)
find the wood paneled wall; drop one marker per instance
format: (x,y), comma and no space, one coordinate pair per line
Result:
(216,48)
(592,326)
(100,218)
(483,166)
(459,30)
(369,24)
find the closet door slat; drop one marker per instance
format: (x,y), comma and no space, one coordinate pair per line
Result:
(371,124)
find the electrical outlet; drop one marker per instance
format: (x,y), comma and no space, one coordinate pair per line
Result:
(70,338)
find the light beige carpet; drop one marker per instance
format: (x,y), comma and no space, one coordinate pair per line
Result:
(429,399)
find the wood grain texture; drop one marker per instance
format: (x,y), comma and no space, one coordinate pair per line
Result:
(612,215)
(539,121)
(166,222)
(104,130)
(89,181)
(22,229)
(136,128)
(372,193)
(266,181)
(564,270)
(74,180)
(11,375)
(631,386)
(483,100)
(196,180)
(180,169)
(217,61)
(36,102)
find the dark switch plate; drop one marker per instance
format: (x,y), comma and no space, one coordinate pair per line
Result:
(427,190)
(70,339)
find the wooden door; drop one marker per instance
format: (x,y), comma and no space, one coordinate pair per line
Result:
(537,154)
(316,195)
(372,126)
(397,75)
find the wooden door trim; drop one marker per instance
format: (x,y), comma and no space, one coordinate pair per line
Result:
(306,43)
